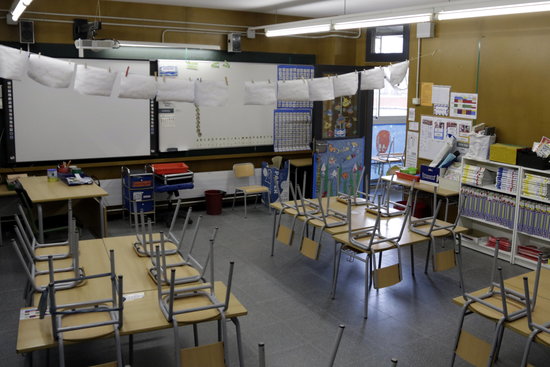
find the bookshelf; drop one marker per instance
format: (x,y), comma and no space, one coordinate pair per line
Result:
(504,200)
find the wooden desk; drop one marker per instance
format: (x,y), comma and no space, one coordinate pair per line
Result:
(41,191)
(141,312)
(426,187)
(8,199)
(541,313)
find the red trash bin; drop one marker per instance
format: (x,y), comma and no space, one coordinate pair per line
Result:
(420,211)
(213,201)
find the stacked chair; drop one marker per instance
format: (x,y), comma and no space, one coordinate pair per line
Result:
(88,318)
(198,298)
(436,230)
(34,258)
(364,244)
(359,197)
(382,203)
(499,304)
(540,332)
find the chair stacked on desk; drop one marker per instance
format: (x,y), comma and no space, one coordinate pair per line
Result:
(34,256)
(500,304)
(539,332)
(85,319)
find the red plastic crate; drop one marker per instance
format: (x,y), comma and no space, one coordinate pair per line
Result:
(406,176)
(169,168)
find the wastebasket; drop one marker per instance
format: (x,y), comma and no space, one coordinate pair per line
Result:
(213,201)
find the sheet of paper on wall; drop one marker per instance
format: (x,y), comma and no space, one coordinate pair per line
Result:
(413,126)
(411,155)
(412,114)
(440,99)
(426,94)
(464,105)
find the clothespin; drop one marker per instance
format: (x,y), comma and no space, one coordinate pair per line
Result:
(39,54)
(269,81)
(226,82)
(156,76)
(226,64)
(85,66)
(127,70)
(109,69)
(164,78)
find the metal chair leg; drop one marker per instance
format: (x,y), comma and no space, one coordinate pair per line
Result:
(234,198)
(245,204)
(428,256)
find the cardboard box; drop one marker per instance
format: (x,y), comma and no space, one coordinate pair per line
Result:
(431,174)
(476,237)
(504,153)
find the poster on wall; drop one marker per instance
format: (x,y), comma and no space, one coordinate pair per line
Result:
(464,105)
(340,118)
(411,157)
(339,167)
(434,129)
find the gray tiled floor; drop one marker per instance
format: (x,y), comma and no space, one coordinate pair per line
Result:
(290,310)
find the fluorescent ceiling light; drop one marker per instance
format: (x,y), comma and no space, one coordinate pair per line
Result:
(494,10)
(166,45)
(318,28)
(377,22)
(19,9)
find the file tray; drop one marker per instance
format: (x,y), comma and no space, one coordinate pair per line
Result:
(174,179)
(529,159)
(169,168)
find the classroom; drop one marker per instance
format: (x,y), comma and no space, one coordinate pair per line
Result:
(274,183)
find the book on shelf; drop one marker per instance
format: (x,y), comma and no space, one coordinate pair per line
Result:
(532,252)
(479,176)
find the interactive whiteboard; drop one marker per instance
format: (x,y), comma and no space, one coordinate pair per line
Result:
(61,124)
(231,125)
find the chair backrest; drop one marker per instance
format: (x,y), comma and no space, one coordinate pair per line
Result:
(243,170)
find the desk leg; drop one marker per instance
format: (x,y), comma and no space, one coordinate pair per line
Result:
(102,218)
(40,223)
(275,214)
(131,349)
(239,340)
(446,207)
(412,260)
(335,268)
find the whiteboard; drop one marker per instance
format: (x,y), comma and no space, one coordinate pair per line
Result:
(232,125)
(61,124)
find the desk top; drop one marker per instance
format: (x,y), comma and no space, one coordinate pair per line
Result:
(40,190)
(5,192)
(422,186)
(541,313)
(301,162)
(141,313)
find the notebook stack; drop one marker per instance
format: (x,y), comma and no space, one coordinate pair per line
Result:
(536,186)
(504,243)
(478,176)
(507,179)
(532,252)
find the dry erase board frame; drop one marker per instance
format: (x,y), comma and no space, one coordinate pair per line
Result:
(48,124)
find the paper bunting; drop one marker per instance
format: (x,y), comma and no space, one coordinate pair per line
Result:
(260,93)
(292,90)
(13,63)
(321,89)
(346,84)
(179,90)
(137,86)
(94,81)
(398,72)
(372,79)
(50,72)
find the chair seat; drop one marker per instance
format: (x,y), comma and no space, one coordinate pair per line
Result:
(51,250)
(87,318)
(44,279)
(382,246)
(496,300)
(543,338)
(197,316)
(253,189)
(330,220)
(184,271)
(57,264)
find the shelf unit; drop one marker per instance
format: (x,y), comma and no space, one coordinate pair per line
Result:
(517,234)
(138,192)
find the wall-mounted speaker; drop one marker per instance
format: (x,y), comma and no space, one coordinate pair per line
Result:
(234,42)
(26,31)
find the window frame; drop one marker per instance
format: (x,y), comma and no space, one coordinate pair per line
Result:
(372,56)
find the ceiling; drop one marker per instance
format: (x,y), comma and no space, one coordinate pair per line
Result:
(301,8)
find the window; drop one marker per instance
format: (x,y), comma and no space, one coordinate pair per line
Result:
(390,43)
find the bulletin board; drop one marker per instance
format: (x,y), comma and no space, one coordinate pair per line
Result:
(231,125)
(52,124)
(434,129)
